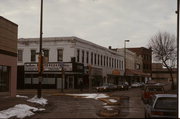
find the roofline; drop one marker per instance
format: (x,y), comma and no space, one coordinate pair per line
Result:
(8,21)
(73,38)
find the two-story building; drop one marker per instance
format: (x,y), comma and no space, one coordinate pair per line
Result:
(81,59)
(8,56)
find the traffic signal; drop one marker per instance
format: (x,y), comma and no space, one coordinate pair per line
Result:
(40,63)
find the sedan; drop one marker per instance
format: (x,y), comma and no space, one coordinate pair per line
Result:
(162,106)
(106,87)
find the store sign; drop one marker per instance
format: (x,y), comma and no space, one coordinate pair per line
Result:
(68,66)
(116,72)
(49,67)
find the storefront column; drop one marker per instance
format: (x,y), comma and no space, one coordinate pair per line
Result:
(13,81)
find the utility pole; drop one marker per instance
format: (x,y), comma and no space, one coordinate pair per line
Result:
(177,12)
(40,55)
(125,59)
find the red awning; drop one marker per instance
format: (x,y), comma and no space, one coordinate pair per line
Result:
(132,72)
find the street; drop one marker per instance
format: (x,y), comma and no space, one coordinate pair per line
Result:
(63,106)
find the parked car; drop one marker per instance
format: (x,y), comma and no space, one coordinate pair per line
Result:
(151,89)
(106,87)
(135,85)
(162,106)
(123,86)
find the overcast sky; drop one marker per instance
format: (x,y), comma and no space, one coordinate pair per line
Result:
(104,22)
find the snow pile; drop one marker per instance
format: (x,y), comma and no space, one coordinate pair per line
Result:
(41,100)
(20,96)
(108,107)
(112,100)
(92,95)
(19,111)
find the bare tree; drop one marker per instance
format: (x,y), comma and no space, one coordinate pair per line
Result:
(164,49)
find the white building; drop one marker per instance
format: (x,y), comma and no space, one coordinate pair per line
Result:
(102,62)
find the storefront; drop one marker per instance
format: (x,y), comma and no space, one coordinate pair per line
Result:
(116,77)
(53,75)
(4,78)
(136,76)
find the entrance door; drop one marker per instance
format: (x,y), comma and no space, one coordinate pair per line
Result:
(70,82)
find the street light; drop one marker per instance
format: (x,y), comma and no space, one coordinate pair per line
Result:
(40,55)
(125,58)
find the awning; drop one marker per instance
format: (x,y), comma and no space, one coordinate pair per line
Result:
(131,72)
(115,72)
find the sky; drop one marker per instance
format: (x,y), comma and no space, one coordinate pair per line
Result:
(104,22)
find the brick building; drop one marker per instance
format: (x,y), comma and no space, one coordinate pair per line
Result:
(8,56)
(146,58)
(160,74)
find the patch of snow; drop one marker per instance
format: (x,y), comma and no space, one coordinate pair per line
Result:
(19,111)
(91,95)
(20,96)
(108,107)
(112,100)
(35,99)
(104,103)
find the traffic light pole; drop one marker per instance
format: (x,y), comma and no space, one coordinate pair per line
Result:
(40,54)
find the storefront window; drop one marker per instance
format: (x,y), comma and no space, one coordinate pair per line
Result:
(4,78)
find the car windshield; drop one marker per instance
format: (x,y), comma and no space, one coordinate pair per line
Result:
(166,103)
(154,89)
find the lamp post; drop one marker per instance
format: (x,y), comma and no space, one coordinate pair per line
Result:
(125,58)
(40,55)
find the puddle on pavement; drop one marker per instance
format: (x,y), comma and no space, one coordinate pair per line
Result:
(112,108)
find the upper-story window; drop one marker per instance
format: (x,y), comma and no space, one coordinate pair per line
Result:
(95,58)
(33,55)
(101,60)
(87,57)
(46,54)
(137,66)
(20,55)
(104,60)
(82,56)
(78,53)
(98,59)
(92,58)
(115,63)
(107,61)
(60,55)
(112,63)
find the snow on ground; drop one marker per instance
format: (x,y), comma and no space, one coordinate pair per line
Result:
(112,100)
(108,107)
(20,96)
(91,95)
(35,99)
(19,111)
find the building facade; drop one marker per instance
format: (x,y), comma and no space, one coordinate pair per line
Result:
(134,66)
(8,56)
(160,74)
(146,58)
(83,60)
